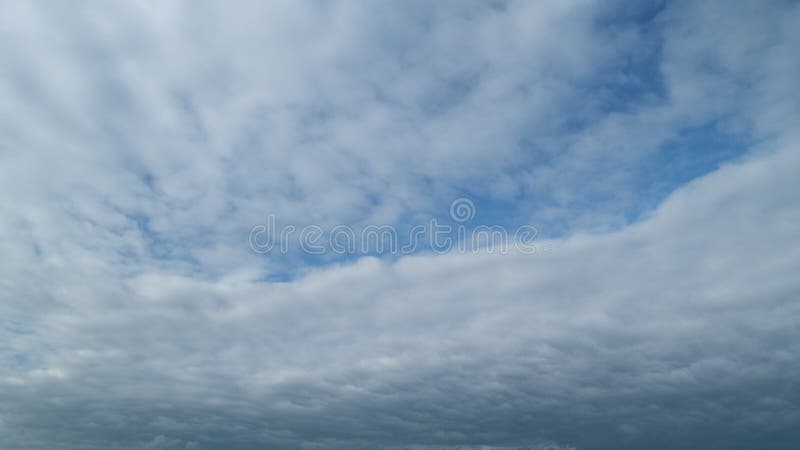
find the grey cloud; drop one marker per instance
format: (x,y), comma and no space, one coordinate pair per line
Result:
(678,331)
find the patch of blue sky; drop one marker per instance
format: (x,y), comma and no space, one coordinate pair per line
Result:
(692,153)
(160,246)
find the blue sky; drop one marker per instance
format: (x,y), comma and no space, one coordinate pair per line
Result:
(653,145)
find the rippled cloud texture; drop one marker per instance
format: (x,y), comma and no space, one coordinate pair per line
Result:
(655,146)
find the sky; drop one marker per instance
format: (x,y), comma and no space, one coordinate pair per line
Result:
(653,147)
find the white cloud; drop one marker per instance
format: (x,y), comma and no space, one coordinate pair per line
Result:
(696,304)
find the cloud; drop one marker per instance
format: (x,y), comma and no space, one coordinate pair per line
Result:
(197,121)
(678,330)
(657,148)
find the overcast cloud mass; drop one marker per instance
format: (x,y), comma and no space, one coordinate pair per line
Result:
(654,145)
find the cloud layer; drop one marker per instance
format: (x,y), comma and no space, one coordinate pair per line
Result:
(656,148)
